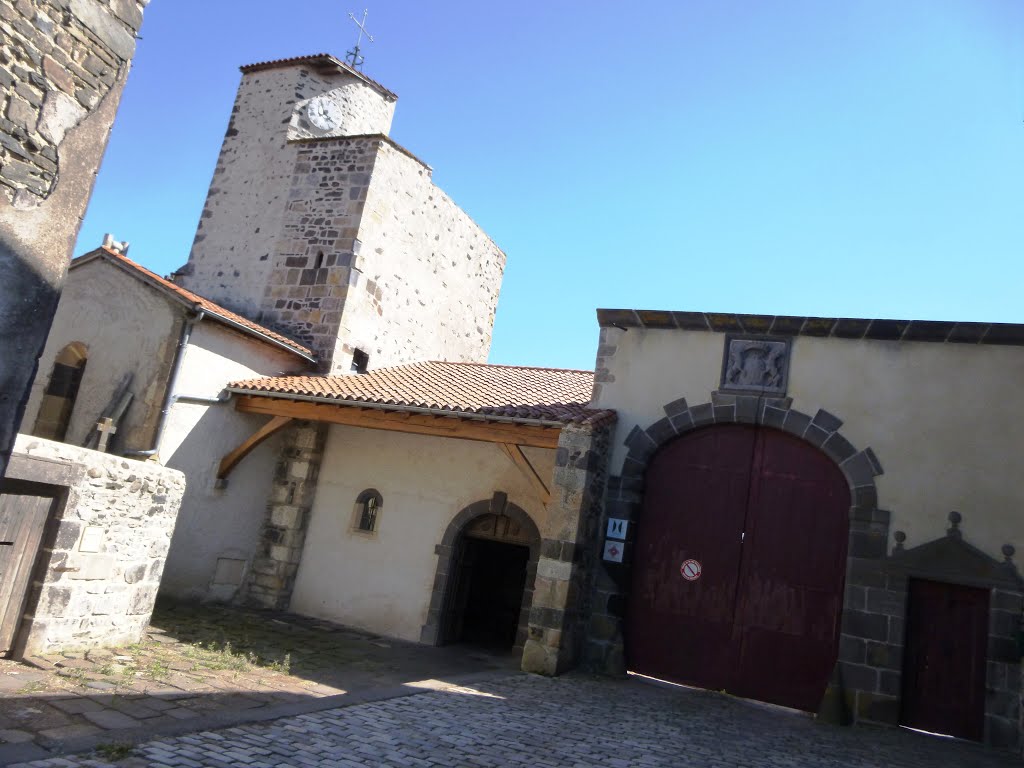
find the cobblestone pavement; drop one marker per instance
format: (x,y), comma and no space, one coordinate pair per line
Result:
(200,662)
(573,721)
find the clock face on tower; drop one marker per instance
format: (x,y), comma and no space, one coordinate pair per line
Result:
(324,113)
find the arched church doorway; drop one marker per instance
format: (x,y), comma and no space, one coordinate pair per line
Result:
(487,577)
(739,565)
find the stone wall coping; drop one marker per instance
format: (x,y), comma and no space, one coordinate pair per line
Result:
(961,332)
(359,136)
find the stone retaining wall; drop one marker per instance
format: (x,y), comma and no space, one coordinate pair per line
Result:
(103,553)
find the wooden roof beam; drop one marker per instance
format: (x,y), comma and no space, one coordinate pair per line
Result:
(515,453)
(403,421)
(230,460)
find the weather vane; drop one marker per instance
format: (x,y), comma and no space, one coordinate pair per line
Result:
(353,57)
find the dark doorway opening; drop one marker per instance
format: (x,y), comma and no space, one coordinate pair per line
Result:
(491,578)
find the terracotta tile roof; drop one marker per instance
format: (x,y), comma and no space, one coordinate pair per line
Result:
(501,391)
(320,59)
(213,310)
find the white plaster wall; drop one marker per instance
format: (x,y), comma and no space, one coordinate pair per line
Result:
(383,583)
(127,326)
(213,522)
(432,274)
(231,258)
(942,418)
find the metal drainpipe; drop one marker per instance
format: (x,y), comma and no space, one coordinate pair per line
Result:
(179,355)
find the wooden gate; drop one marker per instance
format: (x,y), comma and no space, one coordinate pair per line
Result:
(24,510)
(944,666)
(766,516)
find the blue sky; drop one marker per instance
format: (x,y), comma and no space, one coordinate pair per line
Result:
(862,158)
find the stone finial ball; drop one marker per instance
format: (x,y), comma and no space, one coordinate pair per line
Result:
(900,537)
(955,518)
(1009,550)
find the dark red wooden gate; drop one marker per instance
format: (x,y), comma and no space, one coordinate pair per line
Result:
(944,665)
(766,515)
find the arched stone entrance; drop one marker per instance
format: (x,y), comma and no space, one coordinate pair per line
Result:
(863,686)
(483,589)
(738,565)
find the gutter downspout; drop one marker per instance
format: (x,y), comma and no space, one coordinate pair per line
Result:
(172,381)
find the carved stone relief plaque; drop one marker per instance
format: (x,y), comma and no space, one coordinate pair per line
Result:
(755,365)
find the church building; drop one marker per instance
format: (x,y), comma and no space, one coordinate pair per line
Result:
(818,513)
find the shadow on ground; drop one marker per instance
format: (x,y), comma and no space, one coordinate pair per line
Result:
(209,666)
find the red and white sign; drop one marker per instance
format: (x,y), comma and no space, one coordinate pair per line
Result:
(690,570)
(613,551)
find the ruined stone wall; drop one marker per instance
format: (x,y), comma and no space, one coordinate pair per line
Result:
(404,274)
(102,564)
(63,64)
(232,256)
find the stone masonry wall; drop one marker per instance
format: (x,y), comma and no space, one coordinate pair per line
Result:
(58,59)
(272,576)
(104,561)
(63,64)
(232,256)
(569,550)
(321,221)
(404,273)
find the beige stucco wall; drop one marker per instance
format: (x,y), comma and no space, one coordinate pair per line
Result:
(382,583)
(942,418)
(127,326)
(217,523)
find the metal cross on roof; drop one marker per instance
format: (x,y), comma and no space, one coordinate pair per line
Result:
(353,57)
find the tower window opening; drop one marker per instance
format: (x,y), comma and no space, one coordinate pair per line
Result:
(360,361)
(319,261)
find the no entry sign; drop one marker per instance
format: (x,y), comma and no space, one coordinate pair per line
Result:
(690,570)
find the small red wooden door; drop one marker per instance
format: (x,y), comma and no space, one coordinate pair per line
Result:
(766,516)
(944,663)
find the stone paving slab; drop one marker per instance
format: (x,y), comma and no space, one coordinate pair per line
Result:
(202,662)
(574,720)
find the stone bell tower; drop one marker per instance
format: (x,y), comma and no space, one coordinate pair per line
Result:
(318,224)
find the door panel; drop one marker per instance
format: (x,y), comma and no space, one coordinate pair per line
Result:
(944,661)
(22,518)
(766,514)
(694,507)
(792,573)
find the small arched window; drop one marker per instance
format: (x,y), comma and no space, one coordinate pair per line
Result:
(61,391)
(367,511)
